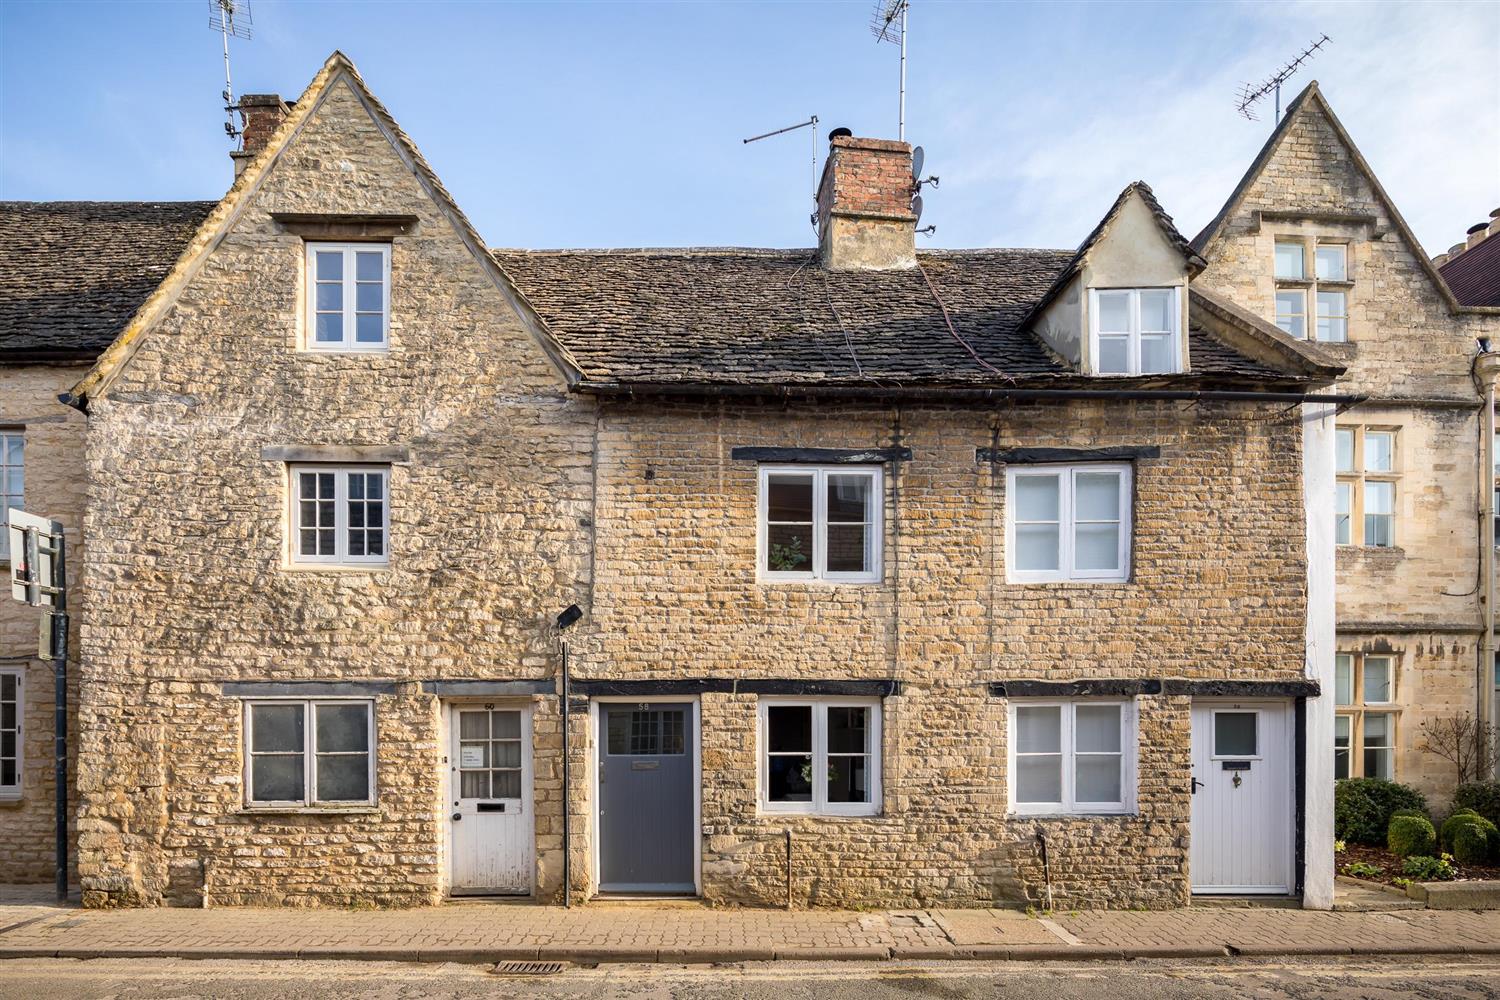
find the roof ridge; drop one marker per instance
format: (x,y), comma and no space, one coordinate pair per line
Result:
(727,251)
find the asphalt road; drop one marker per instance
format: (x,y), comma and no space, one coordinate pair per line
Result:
(140,979)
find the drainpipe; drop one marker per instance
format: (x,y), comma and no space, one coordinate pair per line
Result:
(566,618)
(1486,367)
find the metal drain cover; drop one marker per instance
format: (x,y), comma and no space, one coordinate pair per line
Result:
(528,968)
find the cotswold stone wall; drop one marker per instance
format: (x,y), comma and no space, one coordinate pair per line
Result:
(1419,599)
(489,539)
(1218,591)
(55,487)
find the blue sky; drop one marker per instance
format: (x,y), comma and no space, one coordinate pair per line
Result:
(615,124)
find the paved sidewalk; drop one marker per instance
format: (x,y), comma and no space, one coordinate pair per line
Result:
(691,933)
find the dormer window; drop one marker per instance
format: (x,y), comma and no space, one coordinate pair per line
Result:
(348,291)
(1135,331)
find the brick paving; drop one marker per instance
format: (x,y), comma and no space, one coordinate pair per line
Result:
(649,932)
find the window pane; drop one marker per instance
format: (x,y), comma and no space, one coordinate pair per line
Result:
(848,498)
(330,328)
(1341,746)
(475,784)
(1377,730)
(1037,547)
(1037,497)
(789,498)
(1097,779)
(1343,446)
(369,266)
(1380,498)
(1380,531)
(1332,318)
(276,779)
(1114,312)
(848,551)
(789,728)
(1234,734)
(473,755)
(507,785)
(1343,498)
(1096,546)
(330,265)
(506,754)
(846,730)
(1343,679)
(1290,313)
(1039,779)
(330,296)
(14,443)
(1097,496)
(672,729)
(344,778)
(618,728)
(1156,310)
(1380,763)
(1379,451)
(1332,262)
(276,728)
(847,780)
(369,329)
(1289,260)
(1114,355)
(789,779)
(1096,729)
(1378,678)
(369,298)
(1038,729)
(342,728)
(1157,355)
(505,725)
(789,548)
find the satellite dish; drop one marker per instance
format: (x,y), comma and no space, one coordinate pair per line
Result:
(917,156)
(916,208)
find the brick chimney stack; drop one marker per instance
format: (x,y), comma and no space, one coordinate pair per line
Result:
(865,222)
(261,114)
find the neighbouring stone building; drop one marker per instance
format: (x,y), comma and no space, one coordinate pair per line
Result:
(1310,240)
(898,571)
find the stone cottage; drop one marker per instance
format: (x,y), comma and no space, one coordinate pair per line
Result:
(899,572)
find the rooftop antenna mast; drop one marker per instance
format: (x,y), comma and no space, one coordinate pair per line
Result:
(1250,93)
(229,17)
(888,24)
(812,122)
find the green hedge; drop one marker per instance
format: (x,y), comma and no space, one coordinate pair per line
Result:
(1481,796)
(1472,842)
(1411,835)
(1459,817)
(1362,808)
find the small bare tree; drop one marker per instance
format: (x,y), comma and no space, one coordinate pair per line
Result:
(1463,741)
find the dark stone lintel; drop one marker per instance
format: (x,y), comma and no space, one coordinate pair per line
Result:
(1106,687)
(1302,687)
(345,226)
(344,453)
(482,688)
(1023,456)
(307,689)
(729,685)
(823,456)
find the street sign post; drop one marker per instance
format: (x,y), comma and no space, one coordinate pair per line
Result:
(38,577)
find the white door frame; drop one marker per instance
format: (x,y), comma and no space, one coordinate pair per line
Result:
(596,731)
(1289,835)
(447,776)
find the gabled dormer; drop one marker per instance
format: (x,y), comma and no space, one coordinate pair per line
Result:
(1120,307)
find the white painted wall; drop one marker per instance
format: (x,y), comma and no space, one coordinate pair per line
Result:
(1318,499)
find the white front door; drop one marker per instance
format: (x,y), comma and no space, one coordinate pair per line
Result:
(490,802)
(1243,789)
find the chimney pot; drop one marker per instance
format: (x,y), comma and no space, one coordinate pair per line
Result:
(1476,234)
(262,114)
(865,220)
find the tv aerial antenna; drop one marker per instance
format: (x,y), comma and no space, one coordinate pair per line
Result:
(888,24)
(1251,93)
(812,123)
(229,18)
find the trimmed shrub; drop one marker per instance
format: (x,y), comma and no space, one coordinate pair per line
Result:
(1471,842)
(1362,808)
(1453,822)
(1483,797)
(1420,814)
(1411,835)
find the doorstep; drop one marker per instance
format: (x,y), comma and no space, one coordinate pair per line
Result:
(1480,894)
(1246,902)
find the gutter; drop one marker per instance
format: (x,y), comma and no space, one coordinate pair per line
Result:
(956,394)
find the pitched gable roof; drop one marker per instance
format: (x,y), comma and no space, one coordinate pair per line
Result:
(1164,222)
(774,318)
(1309,100)
(76,271)
(1474,275)
(337,69)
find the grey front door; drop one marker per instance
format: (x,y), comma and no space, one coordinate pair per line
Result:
(646,824)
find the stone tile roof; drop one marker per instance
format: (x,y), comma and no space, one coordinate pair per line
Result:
(76,271)
(732,316)
(1474,275)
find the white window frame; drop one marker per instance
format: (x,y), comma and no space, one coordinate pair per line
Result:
(819,569)
(1357,478)
(340,555)
(1067,524)
(1356,708)
(1307,286)
(8,437)
(1069,805)
(820,806)
(348,344)
(1133,341)
(309,798)
(10,792)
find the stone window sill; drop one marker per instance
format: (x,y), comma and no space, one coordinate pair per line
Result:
(334,568)
(310,811)
(1065,816)
(11,801)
